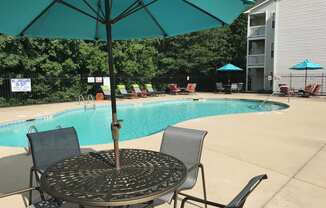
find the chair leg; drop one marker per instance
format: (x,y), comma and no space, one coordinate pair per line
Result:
(204,182)
(30,185)
(175,199)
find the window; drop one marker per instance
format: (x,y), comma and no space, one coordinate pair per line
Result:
(272,50)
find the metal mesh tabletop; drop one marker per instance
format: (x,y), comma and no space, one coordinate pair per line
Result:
(91,179)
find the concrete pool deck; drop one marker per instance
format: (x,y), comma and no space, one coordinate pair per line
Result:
(288,145)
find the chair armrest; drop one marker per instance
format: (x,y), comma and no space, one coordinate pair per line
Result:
(196,165)
(195,199)
(18,192)
(244,193)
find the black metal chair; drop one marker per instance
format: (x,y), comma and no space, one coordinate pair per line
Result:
(186,145)
(50,147)
(40,204)
(237,202)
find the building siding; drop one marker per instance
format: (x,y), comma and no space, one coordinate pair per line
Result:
(300,34)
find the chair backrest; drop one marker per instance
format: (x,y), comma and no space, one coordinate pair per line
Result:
(240,86)
(191,87)
(122,89)
(219,85)
(184,144)
(50,147)
(149,88)
(234,86)
(315,89)
(136,88)
(241,198)
(173,87)
(106,89)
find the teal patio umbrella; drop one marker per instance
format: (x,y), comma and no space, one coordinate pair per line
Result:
(229,68)
(110,20)
(306,65)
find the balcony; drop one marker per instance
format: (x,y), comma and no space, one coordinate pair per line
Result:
(256,60)
(257,31)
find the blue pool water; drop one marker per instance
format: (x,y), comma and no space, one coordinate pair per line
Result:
(138,119)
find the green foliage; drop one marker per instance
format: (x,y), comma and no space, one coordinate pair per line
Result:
(59,68)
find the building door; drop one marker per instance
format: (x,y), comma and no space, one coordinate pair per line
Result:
(256,79)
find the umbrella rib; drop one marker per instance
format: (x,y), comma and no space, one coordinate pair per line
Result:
(136,9)
(205,12)
(91,8)
(154,19)
(128,9)
(37,17)
(79,10)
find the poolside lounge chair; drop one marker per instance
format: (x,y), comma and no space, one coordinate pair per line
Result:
(50,147)
(285,90)
(219,87)
(106,91)
(124,93)
(151,91)
(136,89)
(237,202)
(174,89)
(186,145)
(43,203)
(191,88)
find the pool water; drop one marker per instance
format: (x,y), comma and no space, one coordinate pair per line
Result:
(139,120)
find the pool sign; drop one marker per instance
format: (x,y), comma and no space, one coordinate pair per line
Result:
(90,79)
(21,85)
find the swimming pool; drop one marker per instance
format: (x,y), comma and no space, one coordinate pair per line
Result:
(139,120)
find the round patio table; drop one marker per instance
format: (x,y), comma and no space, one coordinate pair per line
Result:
(92,180)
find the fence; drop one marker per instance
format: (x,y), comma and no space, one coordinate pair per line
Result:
(297,81)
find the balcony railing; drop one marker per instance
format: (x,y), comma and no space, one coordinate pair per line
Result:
(257,31)
(256,60)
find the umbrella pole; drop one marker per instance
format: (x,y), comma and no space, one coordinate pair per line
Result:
(115,125)
(305,78)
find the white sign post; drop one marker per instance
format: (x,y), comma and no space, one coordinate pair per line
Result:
(21,85)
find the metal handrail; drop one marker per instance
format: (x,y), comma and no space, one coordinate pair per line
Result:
(90,98)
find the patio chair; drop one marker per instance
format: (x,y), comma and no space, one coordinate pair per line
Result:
(219,87)
(50,147)
(186,145)
(240,86)
(136,89)
(237,202)
(174,89)
(124,93)
(234,87)
(42,203)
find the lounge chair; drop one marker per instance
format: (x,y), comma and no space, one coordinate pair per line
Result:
(106,91)
(48,148)
(151,91)
(310,90)
(237,202)
(219,87)
(285,90)
(174,89)
(42,203)
(136,89)
(124,93)
(186,145)
(191,88)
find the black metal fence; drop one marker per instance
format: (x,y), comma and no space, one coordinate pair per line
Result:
(297,81)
